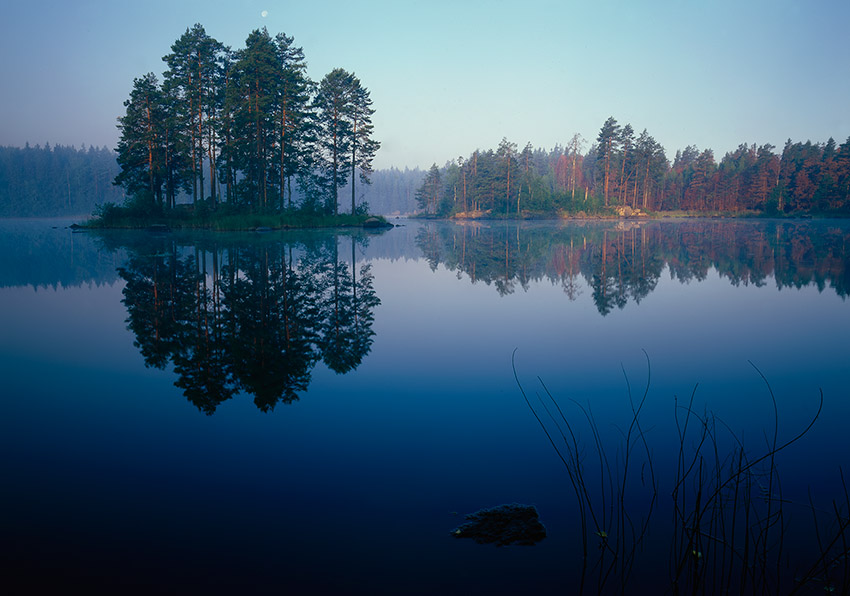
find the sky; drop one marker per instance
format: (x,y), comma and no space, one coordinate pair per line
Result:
(449,77)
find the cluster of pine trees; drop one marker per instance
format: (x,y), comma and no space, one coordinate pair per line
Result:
(54,181)
(622,169)
(237,127)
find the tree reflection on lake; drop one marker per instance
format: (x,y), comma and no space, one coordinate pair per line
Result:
(252,317)
(419,414)
(623,262)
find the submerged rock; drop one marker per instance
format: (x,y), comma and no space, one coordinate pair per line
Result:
(503,525)
(374,222)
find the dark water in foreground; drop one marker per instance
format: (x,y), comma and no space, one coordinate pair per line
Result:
(314,412)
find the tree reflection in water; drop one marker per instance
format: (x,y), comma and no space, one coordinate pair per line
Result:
(623,261)
(252,317)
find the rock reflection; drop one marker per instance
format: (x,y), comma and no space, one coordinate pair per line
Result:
(622,262)
(250,317)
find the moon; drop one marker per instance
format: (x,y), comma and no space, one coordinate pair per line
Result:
(264,14)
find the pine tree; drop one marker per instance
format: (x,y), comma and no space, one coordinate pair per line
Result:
(428,195)
(333,104)
(363,146)
(141,146)
(250,101)
(607,140)
(293,116)
(193,79)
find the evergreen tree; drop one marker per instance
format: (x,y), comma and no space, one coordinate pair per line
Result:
(333,105)
(607,141)
(428,195)
(363,146)
(251,98)
(293,116)
(651,166)
(141,149)
(627,162)
(193,79)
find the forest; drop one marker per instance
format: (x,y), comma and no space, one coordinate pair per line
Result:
(628,172)
(55,181)
(239,128)
(58,181)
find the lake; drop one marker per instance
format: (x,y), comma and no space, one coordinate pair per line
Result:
(317,411)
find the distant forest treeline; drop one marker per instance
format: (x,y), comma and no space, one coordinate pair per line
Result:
(621,169)
(54,181)
(392,191)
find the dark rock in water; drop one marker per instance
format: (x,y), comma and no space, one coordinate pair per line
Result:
(503,525)
(374,222)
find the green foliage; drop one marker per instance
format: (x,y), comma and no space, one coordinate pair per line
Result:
(239,127)
(344,129)
(362,209)
(202,216)
(771,207)
(428,195)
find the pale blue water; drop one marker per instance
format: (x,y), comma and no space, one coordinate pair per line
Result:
(112,479)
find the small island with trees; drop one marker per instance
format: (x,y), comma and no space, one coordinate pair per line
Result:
(235,130)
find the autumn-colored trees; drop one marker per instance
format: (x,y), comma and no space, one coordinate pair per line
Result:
(814,177)
(622,169)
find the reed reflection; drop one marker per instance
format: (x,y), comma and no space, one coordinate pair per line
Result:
(622,262)
(252,317)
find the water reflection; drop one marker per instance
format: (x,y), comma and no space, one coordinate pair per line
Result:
(622,263)
(48,254)
(252,317)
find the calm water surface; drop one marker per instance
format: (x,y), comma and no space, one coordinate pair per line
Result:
(314,412)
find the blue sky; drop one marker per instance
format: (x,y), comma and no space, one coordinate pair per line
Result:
(447,77)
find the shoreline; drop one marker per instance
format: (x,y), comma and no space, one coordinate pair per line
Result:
(236,223)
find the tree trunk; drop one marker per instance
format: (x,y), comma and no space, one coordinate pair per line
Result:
(353,164)
(282,150)
(607,165)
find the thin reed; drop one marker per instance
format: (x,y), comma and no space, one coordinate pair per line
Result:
(731,529)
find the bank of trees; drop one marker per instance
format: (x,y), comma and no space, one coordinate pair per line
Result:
(625,169)
(242,127)
(49,181)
